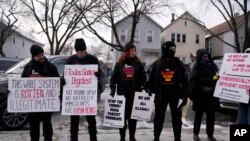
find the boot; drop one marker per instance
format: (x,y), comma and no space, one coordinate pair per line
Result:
(196,137)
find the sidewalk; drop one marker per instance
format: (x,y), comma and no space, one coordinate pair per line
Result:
(221,134)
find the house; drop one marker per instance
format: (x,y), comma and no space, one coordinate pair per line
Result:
(187,35)
(18,44)
(215,46)
(147,38)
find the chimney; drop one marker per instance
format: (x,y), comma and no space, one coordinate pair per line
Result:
(236,15)
(172,17)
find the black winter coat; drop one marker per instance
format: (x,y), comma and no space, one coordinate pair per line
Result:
(202,87)
(126,87)
(37,69)
(177,83)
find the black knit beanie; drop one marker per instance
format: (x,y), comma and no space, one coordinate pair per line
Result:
(80,45)
(35,50)
(128,46)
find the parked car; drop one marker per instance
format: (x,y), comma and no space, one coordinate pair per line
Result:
(14,121)
(225,104)
(7,62)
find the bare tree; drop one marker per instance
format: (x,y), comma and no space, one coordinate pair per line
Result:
(59,20)
(111,11)
(8,19)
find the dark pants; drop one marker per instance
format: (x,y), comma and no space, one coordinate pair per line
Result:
(74,127)
(209,121)
(131,122)
(35,119)
(160,109)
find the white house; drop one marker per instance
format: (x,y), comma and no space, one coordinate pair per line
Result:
(147,38)
(215,46)
(187,35)
(18,44)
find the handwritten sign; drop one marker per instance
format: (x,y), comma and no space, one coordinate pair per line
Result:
(34,94)
(234,78)
(80,91)
(142,106)
(114,112)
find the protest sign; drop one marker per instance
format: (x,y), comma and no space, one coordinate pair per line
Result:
(234,78)
(80,90)
(114,112)
(80,76)
(34,94)
(79,101)
(142,106)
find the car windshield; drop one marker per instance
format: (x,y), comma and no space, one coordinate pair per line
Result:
(18,68)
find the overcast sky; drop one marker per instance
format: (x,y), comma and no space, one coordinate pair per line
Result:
(201,9)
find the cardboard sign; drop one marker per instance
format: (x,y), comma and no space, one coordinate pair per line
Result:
(142,106)
(80,90)
(234,79)
(114,112)
(34,94)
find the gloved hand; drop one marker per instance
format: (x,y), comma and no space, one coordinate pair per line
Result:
(184,102)
(112,93)
(97,74)
(149,92)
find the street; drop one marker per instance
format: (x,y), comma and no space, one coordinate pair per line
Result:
(61,126)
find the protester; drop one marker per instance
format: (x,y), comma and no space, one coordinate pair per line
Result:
(39,66)
(204,79)
(82,58)
(168,81)
(244,109)
(127,78)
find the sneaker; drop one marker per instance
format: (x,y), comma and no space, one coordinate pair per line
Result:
(211,138)
(196,137)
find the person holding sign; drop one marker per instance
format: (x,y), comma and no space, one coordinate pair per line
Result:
(128,77)
(203,79)
(82,58)
(243,108)
(39,66)
(168,81)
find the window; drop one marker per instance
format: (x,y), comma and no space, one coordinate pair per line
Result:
(185,23)
(210,47)
(150,36)
(14,38)
(178,38)
(123,35)
(136,38)
(173,37)
(197,39)
(60,64)
(23,42)
(183,38)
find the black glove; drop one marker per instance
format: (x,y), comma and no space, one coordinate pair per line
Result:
(97,74)
(149,92)
(184,102)
(112,93)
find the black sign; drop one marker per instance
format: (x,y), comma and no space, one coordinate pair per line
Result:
(239,132)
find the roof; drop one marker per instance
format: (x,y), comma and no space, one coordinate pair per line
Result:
(180,17)
(153,21)
(223,27)
(23,33)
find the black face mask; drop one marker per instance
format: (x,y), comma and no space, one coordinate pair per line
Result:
(168,53)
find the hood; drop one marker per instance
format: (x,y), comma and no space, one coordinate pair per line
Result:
(200,53)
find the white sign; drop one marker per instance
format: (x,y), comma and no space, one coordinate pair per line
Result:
(80,76)
(142,106)
(234,78)
(34,94)
(79,101)
(80,90)
(114,112)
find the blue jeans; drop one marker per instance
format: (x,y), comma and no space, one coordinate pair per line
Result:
(243,114)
